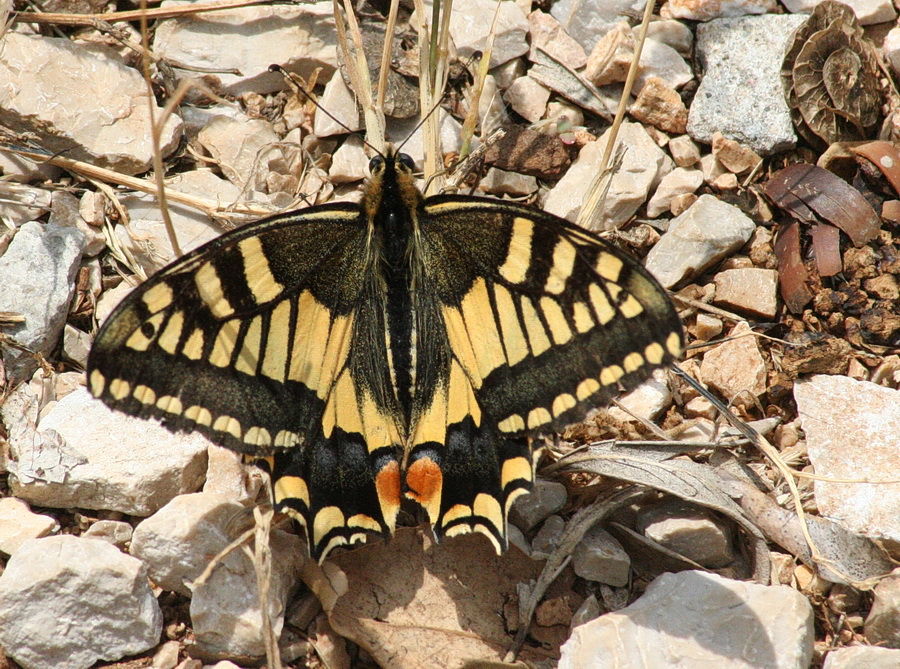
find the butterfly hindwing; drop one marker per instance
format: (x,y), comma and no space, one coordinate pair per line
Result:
(247,340)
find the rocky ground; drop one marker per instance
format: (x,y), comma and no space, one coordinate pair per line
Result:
(760,184)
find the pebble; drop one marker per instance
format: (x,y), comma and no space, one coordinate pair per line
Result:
(705,10)
(66,212)
(707,327)
(37,280)
(679,181)
(547,538)
(660,105)
(684,151)
(694,619)
(741,94)
(350,162)
(883,622)
(67,602)
(707,232)
(611,57)
(587,20)
(689,530)
(19,524)
(662,61)
(225,612)
(546,33)
(855,657)
(735,157)
(501,182)
(504,75)
(589,609)
(600,557)
(227,475)
(673,33)
(891,47)
(749,291)
(83,101)
(20,203)
(736,366)
(340,102)
(545,499)
(76,344)
(249,39)
(178,541)
(86,455)
(643,165)
(646,401)
(528,98)
(116,532)
(873,418)
(239,148)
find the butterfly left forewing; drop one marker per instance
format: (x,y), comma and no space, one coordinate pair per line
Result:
(249,340)
(544,321)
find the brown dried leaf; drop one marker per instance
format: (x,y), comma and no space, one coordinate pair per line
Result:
(826,241)
(831,78)
(792,274)
(830,197)
(411,603)
(885,156)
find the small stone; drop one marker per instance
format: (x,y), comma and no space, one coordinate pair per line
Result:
(225,612)
(700,407)
(741,94)
(749,291)
(600,557)
(681,203)
(528,98)
(227,475)
(350,162)
(672,33)
(65,212)
(688,530)
(67,602)
(301,38)
(707,327)
(18,524)
(610,59)
(76,344)
(178,541)
(553,611)
(679,181)
(872,417)
(37,280)
(20,203)
(854,657)
(589,609)
(662,61)
(647,401)
(643,165)
(660,106)
(711,167)
(506,74)
(586,21)
(705,10)
(700,237)
(517,539)
(546,33)
(736,366)
(891,48)
(684,151)
(545,499)
(501,182)
(547,538)
(727,181)
(341,104)
(693,619)
(735,157)
(116,532)
(166,657)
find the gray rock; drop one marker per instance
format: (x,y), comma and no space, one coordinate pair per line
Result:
(81,100)
(470,23)
(66,602)
(545,499)
(694,619)
(600,557)
(76,344)
(704,234)
(18,524)
(37,279)
(116,532)
(20,203)
(66,212)
(870,657)
(178,541)
(501,182)
(588,20)
(689,530)
(647,401)
(225,611)
(741,94)
(547,538)
(249,39)
(239,146)
(883,622)
(86,455)
(851,434)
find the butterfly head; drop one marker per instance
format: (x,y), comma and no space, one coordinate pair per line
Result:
(391,183)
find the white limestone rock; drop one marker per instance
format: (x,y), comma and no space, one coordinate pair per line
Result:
(18,524)
(67,602)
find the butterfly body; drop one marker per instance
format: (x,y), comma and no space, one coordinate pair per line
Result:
(400,349)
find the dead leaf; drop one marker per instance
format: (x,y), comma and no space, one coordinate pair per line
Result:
(831,198)
(831,78)
(826,241)
(885,156)
(412,603)
(792,274)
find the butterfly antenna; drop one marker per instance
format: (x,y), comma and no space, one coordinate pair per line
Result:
(300,88)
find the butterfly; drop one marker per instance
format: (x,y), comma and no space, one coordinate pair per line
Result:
(399,351)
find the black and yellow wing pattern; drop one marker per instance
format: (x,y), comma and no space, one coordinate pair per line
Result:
(398,349)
